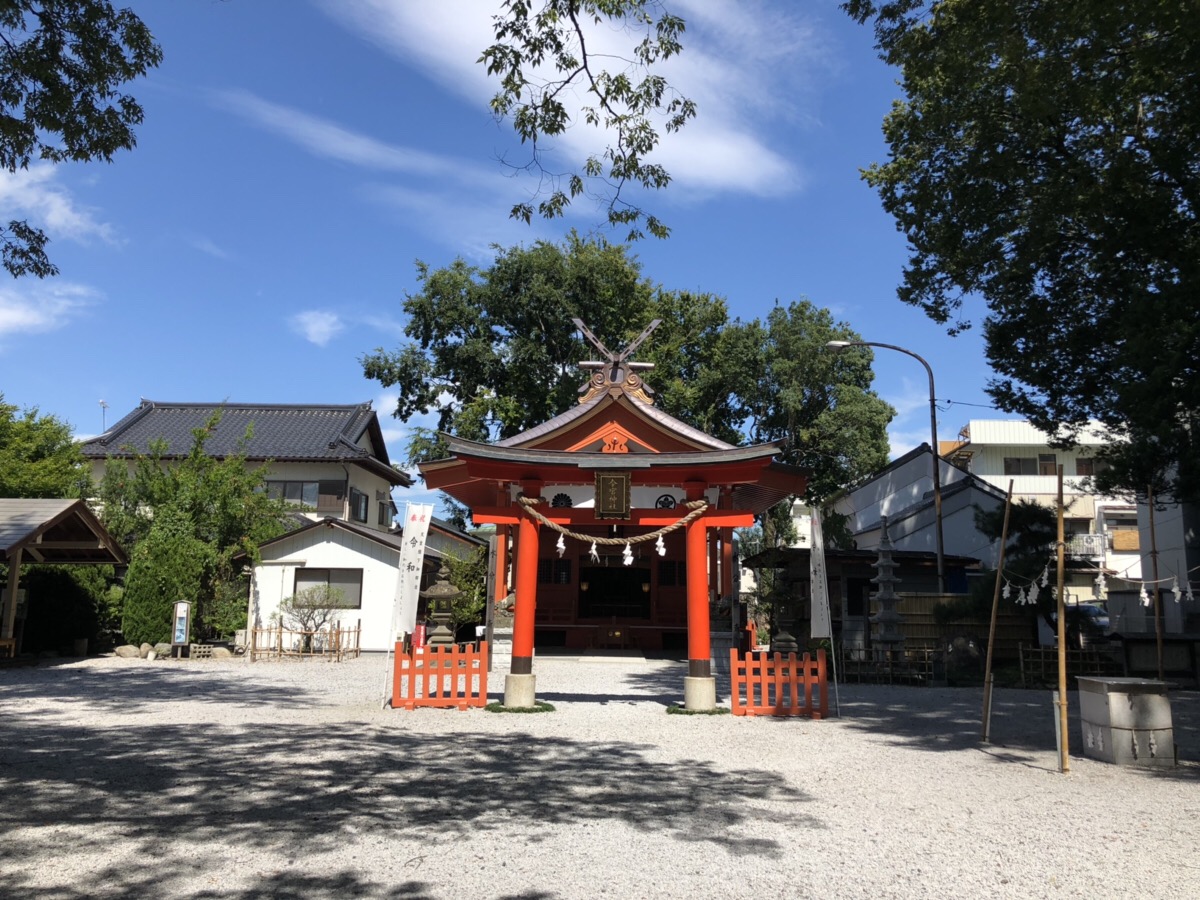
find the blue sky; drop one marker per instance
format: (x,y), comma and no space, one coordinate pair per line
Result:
(298,157)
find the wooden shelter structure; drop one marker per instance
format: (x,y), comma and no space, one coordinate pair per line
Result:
(619,521)
(58,532)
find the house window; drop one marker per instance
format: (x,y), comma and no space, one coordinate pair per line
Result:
(345,585)
(330,496)
(360,504)
(1086,465)
(1020,465)
(299,493)
(1047,464)
(385,513)
(554,571)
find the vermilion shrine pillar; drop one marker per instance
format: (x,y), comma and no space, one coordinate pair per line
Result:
(519,684)
(699,687)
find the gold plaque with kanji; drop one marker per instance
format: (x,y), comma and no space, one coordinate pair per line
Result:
(612,495)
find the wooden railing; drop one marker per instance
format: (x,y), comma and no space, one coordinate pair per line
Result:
(453,676)
(764,684)
(334,642)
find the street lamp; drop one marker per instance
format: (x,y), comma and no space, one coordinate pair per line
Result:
(838,346)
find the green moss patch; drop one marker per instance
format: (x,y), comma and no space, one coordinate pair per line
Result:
(539,706)
(680,711)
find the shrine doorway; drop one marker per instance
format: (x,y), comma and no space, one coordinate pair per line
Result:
(614,592)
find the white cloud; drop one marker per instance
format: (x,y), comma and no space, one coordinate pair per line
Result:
(329,140)
(317,326)
(33,193)
(33,307)
(206,245)
(747,65)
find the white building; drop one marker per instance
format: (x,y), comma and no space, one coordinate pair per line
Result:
(1101,531)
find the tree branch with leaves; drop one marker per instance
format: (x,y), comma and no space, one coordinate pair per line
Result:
(543,56)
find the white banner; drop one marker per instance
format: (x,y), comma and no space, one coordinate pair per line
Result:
(408,583)
(818,584)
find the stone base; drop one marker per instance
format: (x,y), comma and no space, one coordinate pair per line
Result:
(520,691)
(699,693)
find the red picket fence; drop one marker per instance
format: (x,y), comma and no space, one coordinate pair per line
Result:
(774,685)
(440,676)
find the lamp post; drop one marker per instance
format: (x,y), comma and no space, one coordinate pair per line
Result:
(838,346)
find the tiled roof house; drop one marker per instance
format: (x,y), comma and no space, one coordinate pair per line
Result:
(329,460)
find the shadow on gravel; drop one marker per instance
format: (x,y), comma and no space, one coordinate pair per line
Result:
(949,719)
(291,790)
(139,689)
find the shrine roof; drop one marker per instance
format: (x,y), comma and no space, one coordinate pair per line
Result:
(596,403)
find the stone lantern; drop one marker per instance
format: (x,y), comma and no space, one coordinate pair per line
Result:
(439,598)
(888,619)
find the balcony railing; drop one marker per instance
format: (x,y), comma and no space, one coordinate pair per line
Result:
(1086,546)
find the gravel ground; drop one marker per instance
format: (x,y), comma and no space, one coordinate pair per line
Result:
(229,779)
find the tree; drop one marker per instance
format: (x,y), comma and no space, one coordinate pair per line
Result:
(62,63)
(630,102)
(494,352)
(819,403)
(1046,160)
(311,609)
(201,520)
(38,458)
(167,566)
(469,574)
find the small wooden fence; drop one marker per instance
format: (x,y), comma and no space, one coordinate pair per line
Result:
(763,684)
(1039,665)
(334,643)
(452,676)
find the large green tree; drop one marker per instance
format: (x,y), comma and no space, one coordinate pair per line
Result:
(1045,160)
(62,65)
(819,403)
(547,52)
(38,458)
(189,524)
(494,352)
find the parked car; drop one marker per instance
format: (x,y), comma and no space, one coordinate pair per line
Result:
(1087,625)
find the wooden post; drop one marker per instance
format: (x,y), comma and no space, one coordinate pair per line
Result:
(10,595)
(1064,761)
(987,669)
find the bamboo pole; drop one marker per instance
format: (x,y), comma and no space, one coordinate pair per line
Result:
(1064,762)
(1158,622)
(987,669)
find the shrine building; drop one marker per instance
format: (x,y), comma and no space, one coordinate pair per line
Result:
(618,520)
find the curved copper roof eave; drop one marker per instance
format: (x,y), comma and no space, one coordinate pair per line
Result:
(460,448)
